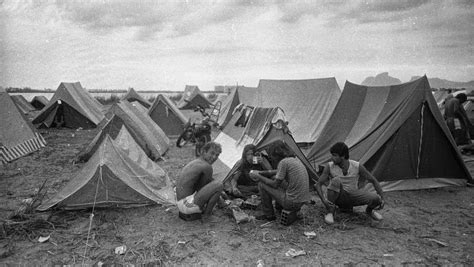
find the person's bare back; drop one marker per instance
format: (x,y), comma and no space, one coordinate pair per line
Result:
(193,177)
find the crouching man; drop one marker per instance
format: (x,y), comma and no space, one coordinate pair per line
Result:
(196,190)
(289,187)
(343,190)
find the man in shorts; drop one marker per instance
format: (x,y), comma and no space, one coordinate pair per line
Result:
(196,190)
(343,190)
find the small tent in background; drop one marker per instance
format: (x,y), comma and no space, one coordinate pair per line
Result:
(111,127)
(23,105)
(71,106)
(148,135)
(115,177)
(193,97)
(17,136)
(258,126)
(397,132)
(39,102)
(133,96)
(166,115)
(439,97)
(239,94)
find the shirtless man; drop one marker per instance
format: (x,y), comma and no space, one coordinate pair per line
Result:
(196,191)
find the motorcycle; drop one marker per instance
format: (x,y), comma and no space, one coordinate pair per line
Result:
(197,133)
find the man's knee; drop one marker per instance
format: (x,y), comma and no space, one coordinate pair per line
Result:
(335,185)
(217,187)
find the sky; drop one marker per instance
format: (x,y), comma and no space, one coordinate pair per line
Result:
(165,45)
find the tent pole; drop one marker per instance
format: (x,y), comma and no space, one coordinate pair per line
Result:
(421,140)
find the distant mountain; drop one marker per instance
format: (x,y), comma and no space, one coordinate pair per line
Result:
(381,79)
(442,83)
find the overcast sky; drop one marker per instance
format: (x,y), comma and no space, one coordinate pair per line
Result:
(164,45)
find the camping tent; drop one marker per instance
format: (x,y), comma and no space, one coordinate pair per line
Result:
(23,105)
(111,127)
(239,94)
(170,119)
(71,106)
(39,102)
(133,96)
(147,134)
(303,101)
(308,104)
(258,126)
(397,132)
(17,136)
(117,175)
(192,97)
(439,97)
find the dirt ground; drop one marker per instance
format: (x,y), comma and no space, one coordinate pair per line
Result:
(425,227)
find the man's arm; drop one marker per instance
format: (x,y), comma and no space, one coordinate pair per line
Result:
(257,176)
(364,173)
(318,186)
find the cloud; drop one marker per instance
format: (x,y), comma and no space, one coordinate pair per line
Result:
(172,18)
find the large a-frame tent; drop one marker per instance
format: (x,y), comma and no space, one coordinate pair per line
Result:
(308,104)
(23,105)
(166,115)
(133,96)
(397,132)
(18,137)
(115,177)
(72,107)
(192,97)
(146,132)
(39,102)
(258,126)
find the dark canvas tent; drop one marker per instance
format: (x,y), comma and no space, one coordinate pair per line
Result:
(39,102)
(398,133)
(23,105)
(71,106)
(258,126)
(133,96)
(115,176)
(192,97)
(166,115)
(148,135)
(18,137)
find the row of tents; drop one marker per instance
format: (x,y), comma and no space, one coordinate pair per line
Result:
(397,131)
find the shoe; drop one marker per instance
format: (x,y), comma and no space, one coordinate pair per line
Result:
(375,215)
(264,217)
(329,218)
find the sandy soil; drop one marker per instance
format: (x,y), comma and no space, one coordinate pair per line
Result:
(426,227)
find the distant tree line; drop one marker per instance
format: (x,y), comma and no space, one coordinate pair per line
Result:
(26,90)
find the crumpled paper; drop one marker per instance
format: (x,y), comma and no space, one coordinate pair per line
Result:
(294,253)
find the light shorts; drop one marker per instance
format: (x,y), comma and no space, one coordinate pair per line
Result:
(187,206)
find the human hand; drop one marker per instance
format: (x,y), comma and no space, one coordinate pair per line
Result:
(253,174)
(382,204)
